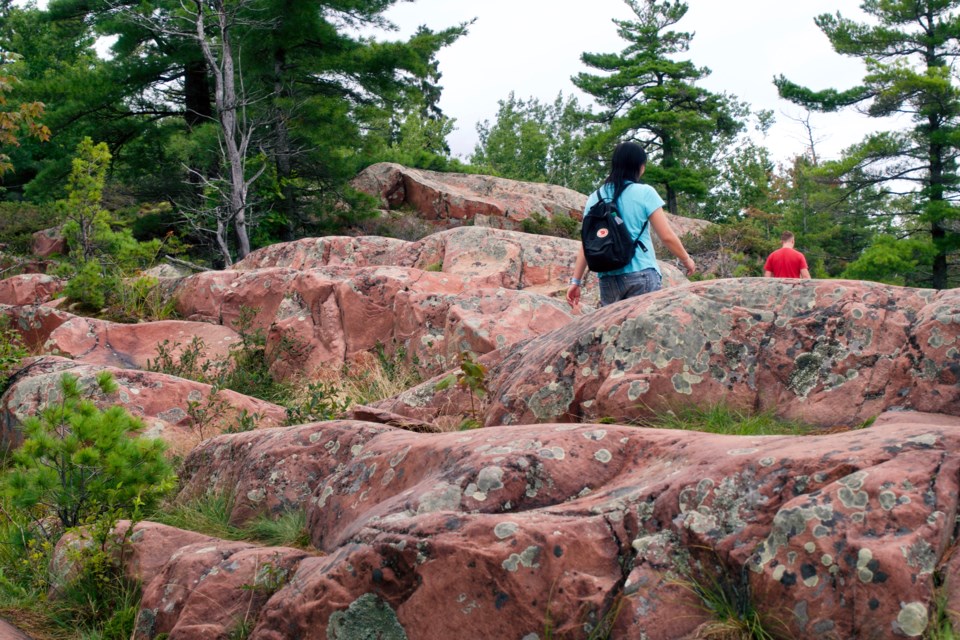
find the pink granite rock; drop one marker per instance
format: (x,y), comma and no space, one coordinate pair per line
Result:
(29,288)
(505,532)
(161,401)
(49,242)
(34,323)
(825,352)
(323,301)
(136,346)
(446,197)
(449,199)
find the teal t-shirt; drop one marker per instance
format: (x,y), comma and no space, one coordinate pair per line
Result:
(636,204)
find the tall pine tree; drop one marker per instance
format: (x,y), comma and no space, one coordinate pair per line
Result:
(910,50)
(649,96)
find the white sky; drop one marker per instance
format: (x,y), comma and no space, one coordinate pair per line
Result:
(533,47)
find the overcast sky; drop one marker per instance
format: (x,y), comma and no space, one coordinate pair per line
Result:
(533,47)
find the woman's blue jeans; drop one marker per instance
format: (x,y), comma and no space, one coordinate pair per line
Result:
(617,288)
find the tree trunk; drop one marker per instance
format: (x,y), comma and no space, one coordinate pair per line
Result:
(284,164)
(196,90)
(225,96)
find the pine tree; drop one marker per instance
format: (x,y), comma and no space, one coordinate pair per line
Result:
(910,52)
(649,96)
(80,462)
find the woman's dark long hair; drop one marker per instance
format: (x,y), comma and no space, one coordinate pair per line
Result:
(628,157)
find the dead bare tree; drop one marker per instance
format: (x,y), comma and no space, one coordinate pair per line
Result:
(212,24)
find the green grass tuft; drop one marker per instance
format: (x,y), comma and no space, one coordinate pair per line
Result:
(725,420)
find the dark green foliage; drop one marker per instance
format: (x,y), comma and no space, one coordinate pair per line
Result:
(12,350)
(646,94)
(20,220)
(891,260)
(100,597)
(322,401)
(81,463)
(909,50)
(562,226)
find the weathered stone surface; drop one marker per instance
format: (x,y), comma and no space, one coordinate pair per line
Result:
(460,197)
(322,301)
(34,323)
(29,288)
(161,401)
(210,590)
(823,351)
(493,532)
(49,242)
(450,199)
(135,346)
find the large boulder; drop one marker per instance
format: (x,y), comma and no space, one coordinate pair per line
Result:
(507,532)
(34,323)
(181,412)
(142,345)
(458,197)
(453,199)
(322,301)
(826,352)
(49,242)
(29,289)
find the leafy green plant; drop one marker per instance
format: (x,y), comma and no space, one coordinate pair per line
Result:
(99,597)
(12,350)
(249,372)
(90,285)
(206,415)
(472,377)
(190,362)
(79,463)
(245,421)
(319,401)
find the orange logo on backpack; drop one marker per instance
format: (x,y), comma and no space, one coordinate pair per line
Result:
(602,233)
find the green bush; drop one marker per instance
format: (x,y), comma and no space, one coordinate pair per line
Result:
(91,285)
(12,350)
(558,225)
(80,463)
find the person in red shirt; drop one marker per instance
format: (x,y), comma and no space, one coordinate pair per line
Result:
(786,262)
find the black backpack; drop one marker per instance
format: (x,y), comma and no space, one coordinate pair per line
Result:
(607,245)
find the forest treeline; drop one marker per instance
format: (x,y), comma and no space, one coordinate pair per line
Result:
(220,126)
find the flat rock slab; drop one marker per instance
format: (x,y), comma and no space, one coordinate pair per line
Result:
(825,352)
(493,532)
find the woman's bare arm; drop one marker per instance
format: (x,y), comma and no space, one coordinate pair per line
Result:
(660,224)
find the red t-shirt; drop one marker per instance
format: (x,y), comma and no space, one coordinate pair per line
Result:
(785,263)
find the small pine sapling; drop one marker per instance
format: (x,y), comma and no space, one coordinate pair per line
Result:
(79,463)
